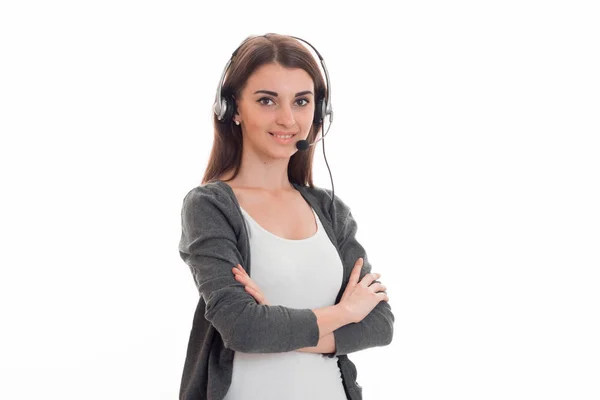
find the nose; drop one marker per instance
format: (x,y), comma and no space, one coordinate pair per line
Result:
(285,116)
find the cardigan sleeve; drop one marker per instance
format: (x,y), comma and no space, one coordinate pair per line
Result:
(209,247)
(377,328)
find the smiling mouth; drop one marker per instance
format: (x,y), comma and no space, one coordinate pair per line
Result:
(283,136)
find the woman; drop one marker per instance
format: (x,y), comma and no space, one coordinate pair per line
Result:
(286,291)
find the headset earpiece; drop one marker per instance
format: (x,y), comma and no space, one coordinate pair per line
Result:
(219,108)
(230,110)
(319,111)
(225,109)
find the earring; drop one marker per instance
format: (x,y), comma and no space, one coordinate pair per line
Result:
(237,122)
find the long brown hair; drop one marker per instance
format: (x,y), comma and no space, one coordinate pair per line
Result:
(226,152)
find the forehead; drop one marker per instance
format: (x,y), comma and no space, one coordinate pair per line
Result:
(279,79)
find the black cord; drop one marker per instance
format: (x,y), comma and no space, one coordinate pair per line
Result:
(326,163)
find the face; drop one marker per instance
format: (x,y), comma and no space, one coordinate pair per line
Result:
(275,102)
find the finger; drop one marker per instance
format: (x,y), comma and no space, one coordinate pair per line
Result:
(378,287)
(251,292)
(242,269)
(241,279)
(257,295)
(383,296)
(355,275)
(246,281)
(368,279)
(237,271)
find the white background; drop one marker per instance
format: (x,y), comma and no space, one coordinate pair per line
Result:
(465,141)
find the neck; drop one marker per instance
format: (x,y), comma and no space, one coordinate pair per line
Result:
(262,173)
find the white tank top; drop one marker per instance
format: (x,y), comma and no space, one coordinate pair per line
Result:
(304,273)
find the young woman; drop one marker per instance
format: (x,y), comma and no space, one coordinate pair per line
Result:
(286,290)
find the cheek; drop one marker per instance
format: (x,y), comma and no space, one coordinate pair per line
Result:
(307,119)
(259,119)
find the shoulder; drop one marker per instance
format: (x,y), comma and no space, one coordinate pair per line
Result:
(207,190)
(208,197)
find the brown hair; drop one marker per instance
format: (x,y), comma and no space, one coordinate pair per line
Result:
(226,152)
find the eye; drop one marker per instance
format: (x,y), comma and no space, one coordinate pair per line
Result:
(262,99)
(265,101)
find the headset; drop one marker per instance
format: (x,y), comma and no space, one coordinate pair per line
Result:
(224,110)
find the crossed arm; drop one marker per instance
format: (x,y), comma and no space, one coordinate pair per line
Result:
(374,330)
(209,245)
(326,345)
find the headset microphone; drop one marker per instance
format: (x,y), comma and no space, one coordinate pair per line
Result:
(303,144)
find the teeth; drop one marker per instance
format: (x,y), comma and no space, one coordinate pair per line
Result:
(284,137)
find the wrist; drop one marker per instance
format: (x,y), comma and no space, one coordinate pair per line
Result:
(344,313)
(326,345)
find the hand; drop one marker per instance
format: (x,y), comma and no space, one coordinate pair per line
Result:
(359,299)
(251,287)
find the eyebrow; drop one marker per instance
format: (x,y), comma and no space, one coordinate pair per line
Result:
(274,94)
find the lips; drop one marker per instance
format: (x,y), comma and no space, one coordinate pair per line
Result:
(282,140)
(282,133)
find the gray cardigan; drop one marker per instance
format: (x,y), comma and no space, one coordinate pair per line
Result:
(228,319)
